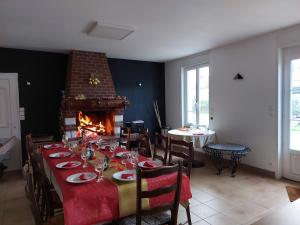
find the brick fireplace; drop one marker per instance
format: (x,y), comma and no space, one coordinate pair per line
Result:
(95,102)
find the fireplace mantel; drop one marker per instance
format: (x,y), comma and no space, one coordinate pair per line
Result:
(96,104)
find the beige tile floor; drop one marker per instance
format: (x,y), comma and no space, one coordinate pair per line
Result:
(217,200)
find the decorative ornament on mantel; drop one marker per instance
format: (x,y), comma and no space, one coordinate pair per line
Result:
(94,79)
(80,97)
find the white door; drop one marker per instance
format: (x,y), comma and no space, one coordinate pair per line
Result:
(291,118)
(9,118)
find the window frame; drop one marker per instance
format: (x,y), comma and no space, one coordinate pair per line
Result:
(197,67)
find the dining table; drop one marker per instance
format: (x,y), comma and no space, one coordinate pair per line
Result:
(110,199)
(199,137)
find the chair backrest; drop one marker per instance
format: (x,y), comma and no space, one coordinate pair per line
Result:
(47,206)
(184,152)
(161,143)
(173,188)
(33,202)
(144,144)
(125,137)
(29,146)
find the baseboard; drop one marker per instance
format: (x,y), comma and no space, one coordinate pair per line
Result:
(204,157)
(257,170)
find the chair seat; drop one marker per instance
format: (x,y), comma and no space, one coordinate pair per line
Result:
(158,219)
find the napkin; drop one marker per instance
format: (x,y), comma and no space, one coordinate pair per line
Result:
(183,129)
(149,164)
(69,164)
(83,177)
(127,175)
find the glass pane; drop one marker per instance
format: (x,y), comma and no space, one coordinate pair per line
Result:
(191,96)
(295,105)
(204,96)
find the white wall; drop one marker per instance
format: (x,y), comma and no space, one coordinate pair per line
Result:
(244,111)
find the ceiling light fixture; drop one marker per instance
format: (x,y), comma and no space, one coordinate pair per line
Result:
(110,31)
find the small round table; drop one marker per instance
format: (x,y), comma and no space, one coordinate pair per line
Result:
(218,151)
(199,138)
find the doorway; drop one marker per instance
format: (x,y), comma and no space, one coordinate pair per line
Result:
(291,113)
(9,118)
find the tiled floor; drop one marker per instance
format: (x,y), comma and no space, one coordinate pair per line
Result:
(217,200)
(242,200)
(14,206)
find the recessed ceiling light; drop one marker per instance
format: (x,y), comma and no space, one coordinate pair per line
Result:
(110,31)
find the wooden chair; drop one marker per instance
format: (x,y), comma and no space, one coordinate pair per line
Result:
(162,144)
(125,137)
(48,200)
(35,208)
(157,215)
(143,144)
(183,151)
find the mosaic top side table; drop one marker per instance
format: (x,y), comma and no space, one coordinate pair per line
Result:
(218,151)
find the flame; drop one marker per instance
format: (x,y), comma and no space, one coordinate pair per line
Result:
(85,122)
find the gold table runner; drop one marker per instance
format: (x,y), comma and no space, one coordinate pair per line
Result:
(126,190)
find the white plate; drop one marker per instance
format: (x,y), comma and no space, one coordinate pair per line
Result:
(120,154)
(104,147)
(118,175)
(74,178)
(156,162)
(60,154)
(53,146)
(63,164)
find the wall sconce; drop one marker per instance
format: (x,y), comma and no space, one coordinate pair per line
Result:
(94,80)
(139,84)
(238,77)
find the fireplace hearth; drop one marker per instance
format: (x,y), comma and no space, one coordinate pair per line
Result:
(92,108)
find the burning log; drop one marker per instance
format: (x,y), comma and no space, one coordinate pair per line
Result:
(85,123)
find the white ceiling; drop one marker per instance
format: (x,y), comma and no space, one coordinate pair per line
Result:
(165,29)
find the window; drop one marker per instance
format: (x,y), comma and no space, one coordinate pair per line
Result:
(196,95)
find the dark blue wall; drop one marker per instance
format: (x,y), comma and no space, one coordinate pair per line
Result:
(46,72)
(126,75)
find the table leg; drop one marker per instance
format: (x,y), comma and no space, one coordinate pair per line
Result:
(235,158)
(218,161)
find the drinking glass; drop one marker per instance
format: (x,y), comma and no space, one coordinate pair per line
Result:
(65,140)
(99,167)
(125,159)
(98,142)
(113,146)
(84,158)
(72,148)
(134,157)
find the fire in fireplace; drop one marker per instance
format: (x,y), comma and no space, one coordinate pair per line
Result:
(100,123)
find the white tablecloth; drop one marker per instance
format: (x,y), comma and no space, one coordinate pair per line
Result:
(198,137)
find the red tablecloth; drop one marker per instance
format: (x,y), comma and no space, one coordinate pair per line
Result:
(90,203)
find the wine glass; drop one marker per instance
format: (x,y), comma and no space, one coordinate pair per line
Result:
(98,142)
(65,140)
(84,158)
(134,157)
(72,148)
(113,146)
(125,158)
(99,167)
